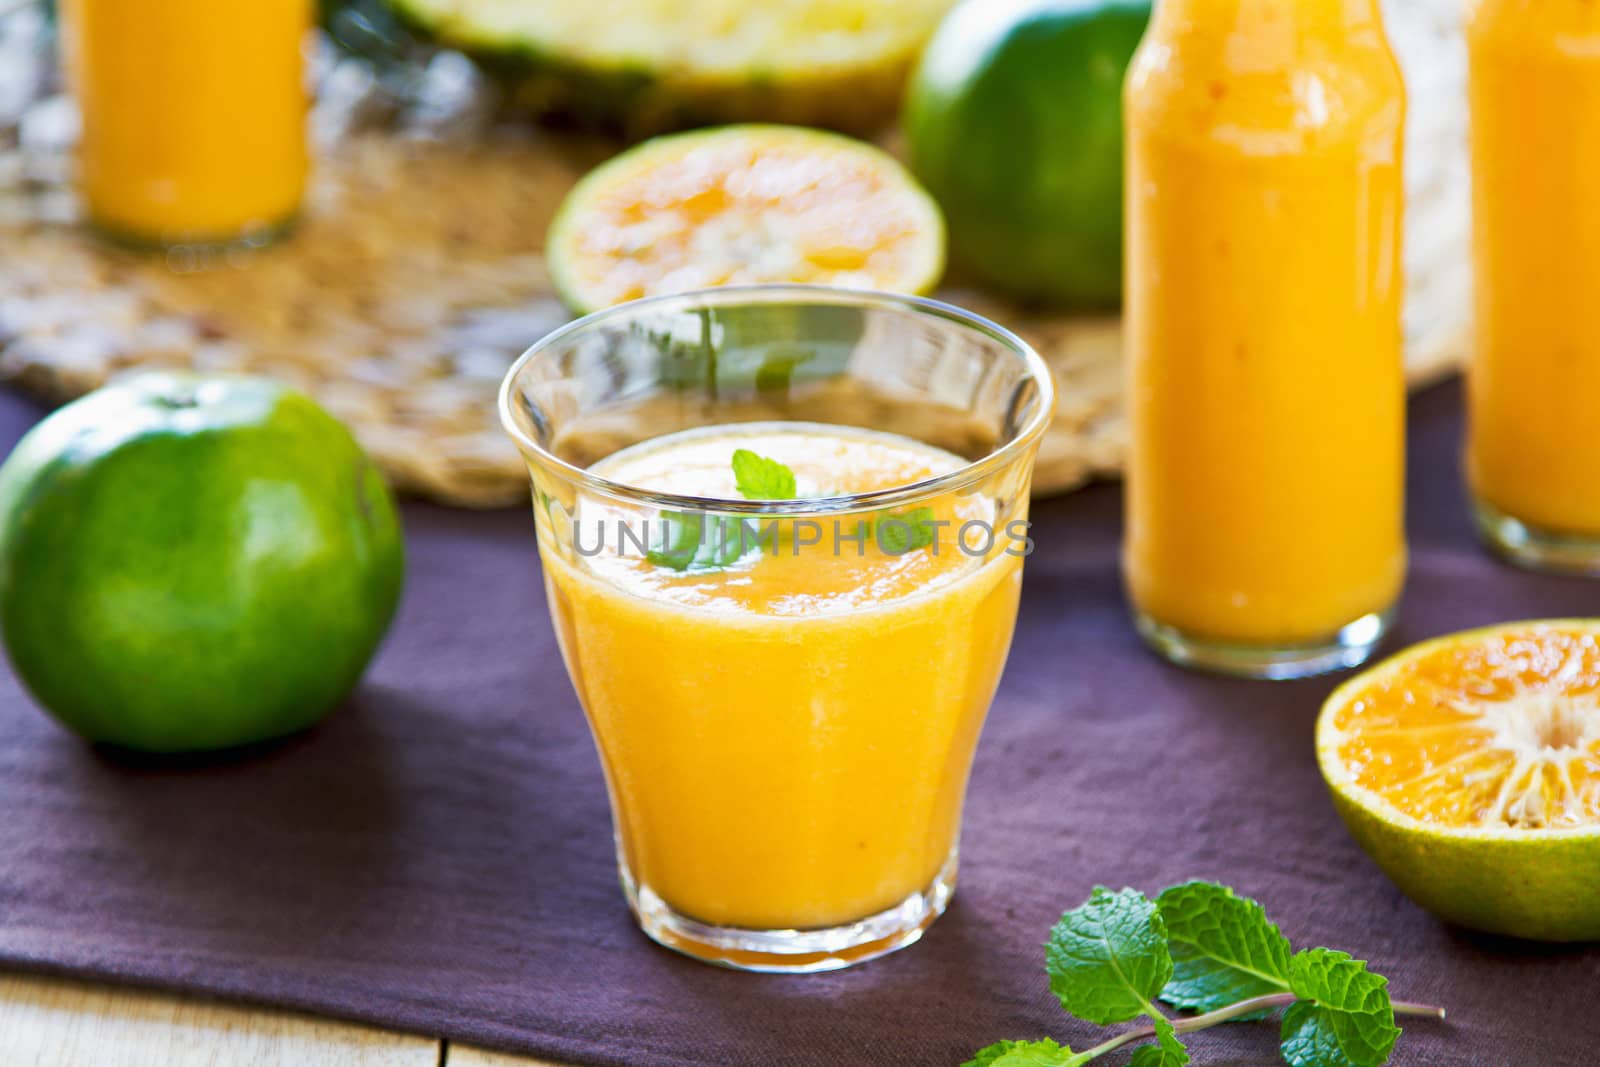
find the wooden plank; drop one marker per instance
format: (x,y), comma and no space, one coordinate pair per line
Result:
(53,1023)
(465,1056)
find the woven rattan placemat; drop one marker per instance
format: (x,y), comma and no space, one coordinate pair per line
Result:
(415,275)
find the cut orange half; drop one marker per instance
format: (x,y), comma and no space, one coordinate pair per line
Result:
(1469,768)
(743,205)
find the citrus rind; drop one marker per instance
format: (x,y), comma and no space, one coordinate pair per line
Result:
(744,204)
(1537,882)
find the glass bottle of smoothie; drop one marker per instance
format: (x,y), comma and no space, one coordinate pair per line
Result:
(193,116)
(1266,384)
(1533,452)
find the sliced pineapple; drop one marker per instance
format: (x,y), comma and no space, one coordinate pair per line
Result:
(649,65)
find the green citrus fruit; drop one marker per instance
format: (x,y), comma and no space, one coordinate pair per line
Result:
(192,563)
(1468,767)
(744,205)
(1014,123)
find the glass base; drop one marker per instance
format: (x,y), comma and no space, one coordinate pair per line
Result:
(191,252)
(1351,646)
(792,951)
(1529,546)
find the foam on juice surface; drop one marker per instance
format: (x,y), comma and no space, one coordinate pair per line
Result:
(837,573)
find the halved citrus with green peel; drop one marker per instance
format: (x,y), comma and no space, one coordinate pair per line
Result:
(1468,767)
(744,205)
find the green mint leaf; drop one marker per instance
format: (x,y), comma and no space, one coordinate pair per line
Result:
(1044,1053)
(1168,1051)
(695,539)
(679,541)
(1343,1018)
(1107,959)
(1314,1036)
(732,539)
(1224,949)
(760,478)
(899,532)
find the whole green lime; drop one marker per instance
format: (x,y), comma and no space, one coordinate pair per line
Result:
(191,563)
(1014,123)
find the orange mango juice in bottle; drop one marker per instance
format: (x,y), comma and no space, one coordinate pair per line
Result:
(1266,394)
(193,116)
(1533,452)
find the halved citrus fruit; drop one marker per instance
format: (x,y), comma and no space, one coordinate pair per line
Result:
(744,205)
(1468,767)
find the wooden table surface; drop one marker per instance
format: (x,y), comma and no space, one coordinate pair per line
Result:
(47,1022)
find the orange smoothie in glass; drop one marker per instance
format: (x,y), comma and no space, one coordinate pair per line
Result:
(785,630)
(1265,377)
(786,738)
(1533,454)
(193,115)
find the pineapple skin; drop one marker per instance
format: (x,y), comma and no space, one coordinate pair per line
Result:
(634,101)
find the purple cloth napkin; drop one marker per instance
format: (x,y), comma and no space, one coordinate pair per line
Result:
(437,856)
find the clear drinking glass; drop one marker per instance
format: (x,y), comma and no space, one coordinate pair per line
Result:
(786,729)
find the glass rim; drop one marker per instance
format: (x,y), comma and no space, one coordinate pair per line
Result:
(967,474)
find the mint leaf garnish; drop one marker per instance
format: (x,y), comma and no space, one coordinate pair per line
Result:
(696,539)
(1343,1018)
(1224,949)
(1107,959)
(899,532)
(1045,1053)
(761,478)
(680,540)
(1203,947)
(699,540)
(1168,1051)
(704,541)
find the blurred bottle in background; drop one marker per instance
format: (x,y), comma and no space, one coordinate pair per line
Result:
(1533,453)
(193,116)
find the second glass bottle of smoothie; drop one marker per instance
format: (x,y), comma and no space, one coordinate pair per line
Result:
(1266,382)
(1533,451)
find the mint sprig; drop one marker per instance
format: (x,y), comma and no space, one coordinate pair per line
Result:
(1343,1017)
(899,532)
(1201,947)
(703,541)
(1042,1053)
(696,539)
(1224,949)
(1168,1051)
(1107,959)
(700,540)
(761,478)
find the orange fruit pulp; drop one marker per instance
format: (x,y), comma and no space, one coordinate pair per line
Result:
(1469,768)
